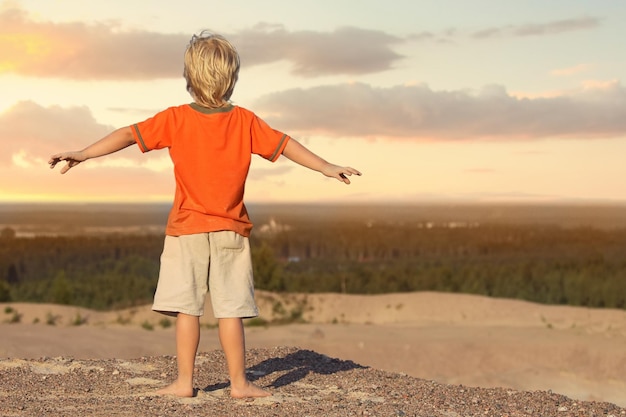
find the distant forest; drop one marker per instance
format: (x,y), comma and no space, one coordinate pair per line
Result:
(546,262)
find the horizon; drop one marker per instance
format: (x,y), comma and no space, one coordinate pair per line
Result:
(55,219)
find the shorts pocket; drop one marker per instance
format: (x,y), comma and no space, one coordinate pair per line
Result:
(229,240)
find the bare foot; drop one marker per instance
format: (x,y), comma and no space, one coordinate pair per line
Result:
(249,390)
(176,389)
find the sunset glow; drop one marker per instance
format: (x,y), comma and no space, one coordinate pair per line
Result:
(520,104)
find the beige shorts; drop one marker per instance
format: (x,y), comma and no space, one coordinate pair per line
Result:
(221,259)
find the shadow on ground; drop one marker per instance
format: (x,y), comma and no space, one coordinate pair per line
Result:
(297,365)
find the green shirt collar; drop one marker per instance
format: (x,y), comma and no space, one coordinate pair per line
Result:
(207,110)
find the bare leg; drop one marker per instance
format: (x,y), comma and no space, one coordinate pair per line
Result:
(233,343)
(187,339)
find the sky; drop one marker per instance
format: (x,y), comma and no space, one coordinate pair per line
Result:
(433,101)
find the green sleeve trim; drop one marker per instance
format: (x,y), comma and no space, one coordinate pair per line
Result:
(141,142)
(279,147)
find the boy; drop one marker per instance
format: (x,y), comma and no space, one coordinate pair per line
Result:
(210,142)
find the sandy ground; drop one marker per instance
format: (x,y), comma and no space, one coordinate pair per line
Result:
(448,338)
(302,382)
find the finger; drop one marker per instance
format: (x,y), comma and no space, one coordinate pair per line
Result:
(70,164)
(55,159)
(343,178)
(65,168)
(353,171)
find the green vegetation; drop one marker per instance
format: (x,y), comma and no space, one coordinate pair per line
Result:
(256,322)
(79,320)
(548,264)
(14,316)
(165,323)
(101,273)
(52,319)
(576,265)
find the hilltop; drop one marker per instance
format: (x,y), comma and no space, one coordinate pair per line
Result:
(449,338)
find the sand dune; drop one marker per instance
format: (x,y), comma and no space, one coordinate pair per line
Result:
(449,338)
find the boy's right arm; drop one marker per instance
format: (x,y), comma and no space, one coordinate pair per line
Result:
(113,142)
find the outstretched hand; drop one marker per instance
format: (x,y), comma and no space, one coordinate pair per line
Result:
(72,159)
(299,154)
(339,172)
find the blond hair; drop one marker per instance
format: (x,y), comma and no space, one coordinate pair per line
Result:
(211,69)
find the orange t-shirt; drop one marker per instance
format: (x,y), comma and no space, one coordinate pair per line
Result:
(211,150)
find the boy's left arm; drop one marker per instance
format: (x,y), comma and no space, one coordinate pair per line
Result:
(299,154)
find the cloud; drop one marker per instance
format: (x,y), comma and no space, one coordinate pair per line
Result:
(30,133)
(539,29)
(416,112)
(103,50)
(512,31)
(30,129)
(81,51)
(558,26)
(346,50)
(565,72)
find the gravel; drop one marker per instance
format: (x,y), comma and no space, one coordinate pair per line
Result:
(304,383)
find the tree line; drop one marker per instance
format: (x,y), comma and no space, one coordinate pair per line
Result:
(580,266)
